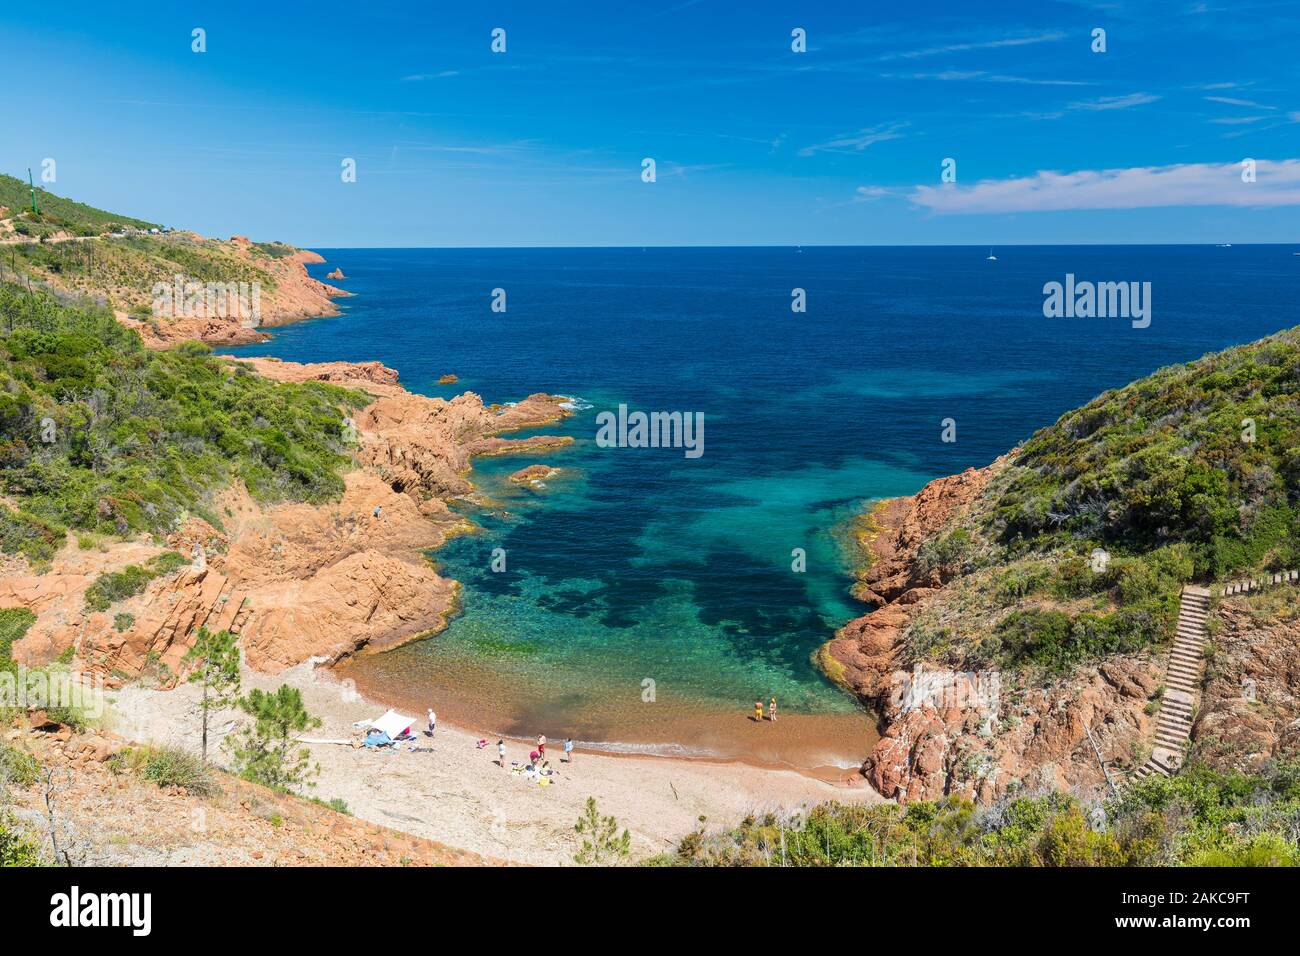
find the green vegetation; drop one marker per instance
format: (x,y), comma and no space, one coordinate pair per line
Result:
(337,804)
(175,767)
(14,622)
(17,767)
(264,752)
(114,586)
(215,659)
(1198,818)
(166,766)
(98,434)
(275,250)
(946,553)
(1203,453)
(1079,547)
(124,271)
(57,214)
(17,848)
(601,841)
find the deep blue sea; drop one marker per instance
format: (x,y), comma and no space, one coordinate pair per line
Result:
(642,564)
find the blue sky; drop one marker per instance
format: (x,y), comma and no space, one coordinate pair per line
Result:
(754,143)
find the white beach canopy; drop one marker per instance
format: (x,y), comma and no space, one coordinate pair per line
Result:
(393,724)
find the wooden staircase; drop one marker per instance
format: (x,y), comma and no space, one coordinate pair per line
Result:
(1183,672)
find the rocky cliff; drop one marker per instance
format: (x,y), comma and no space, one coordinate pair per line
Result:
(286,293)
(295,581)
(1250,708)
(981,732)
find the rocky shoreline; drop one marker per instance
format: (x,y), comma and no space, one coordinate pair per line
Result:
(956,742)
(295,581)
(294,297)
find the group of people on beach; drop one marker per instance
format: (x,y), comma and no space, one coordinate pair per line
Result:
(536,758)
(758,710)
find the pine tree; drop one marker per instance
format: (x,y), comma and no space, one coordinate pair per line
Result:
(602,837)
(263,752)
(215,657)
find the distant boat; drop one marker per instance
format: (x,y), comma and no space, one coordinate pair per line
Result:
(990,257)
(798,248)
(1225,245)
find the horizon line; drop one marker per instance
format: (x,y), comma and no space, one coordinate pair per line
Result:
(819,245)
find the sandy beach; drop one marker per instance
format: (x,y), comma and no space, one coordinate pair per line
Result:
(453,792)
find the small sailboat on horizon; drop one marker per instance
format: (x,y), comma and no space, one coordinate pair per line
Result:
(990,257)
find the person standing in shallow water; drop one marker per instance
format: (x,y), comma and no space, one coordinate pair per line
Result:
(758,711)
(771,710)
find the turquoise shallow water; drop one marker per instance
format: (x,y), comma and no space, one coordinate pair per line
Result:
(641,564)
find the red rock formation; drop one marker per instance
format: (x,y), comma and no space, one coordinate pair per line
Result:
(290,296)
(1250,708)
(863,653)
(294,581)
(533,474)
(975,735)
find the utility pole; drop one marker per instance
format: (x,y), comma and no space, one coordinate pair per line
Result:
(35,210)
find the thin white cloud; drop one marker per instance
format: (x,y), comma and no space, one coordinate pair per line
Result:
(420,77)
(979,45)
(1143,187)
(1115,102)
(1233,101)
(870,193)
(983,77)
(856,142)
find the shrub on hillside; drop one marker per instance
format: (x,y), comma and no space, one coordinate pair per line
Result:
(102,436)
(175,767)
(1199,817)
